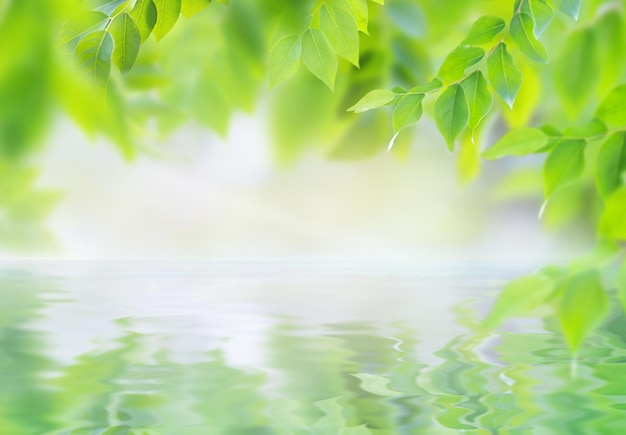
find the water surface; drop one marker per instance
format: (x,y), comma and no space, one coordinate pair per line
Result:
(290,348)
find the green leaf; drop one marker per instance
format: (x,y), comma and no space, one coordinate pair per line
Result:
(191,7)
(127,40)
(373,100)
(284,58)
(431,86)
(564,164)
(519,142)
(583,307)
(407,112)
(520,297)
(568,7)
(451,113)
(106,6)
(459,59)
(504,76)
(613,108)
(541,13)
(484,30)
(81,24)
(611,164)
(341,30)
(621,284)
(522,32)
(613,220)
(479,98)
(358,9)
(591,130)
(168,12)
(145,15)
(319,57)
(94,55)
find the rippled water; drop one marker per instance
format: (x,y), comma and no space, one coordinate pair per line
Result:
(290,348)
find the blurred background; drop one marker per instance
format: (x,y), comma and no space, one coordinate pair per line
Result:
(209,162)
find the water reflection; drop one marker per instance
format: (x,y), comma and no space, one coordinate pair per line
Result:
(215,349)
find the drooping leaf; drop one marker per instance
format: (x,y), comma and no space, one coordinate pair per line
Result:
(541,12)
(522,32)
(373,100)
(341,30)
(568,7)
(613,108)
(145,15)
(613,220)
(81,24)
(94,54)
(319,57)
(191,7)
(359,11)
(519,142)
(504,76)
(583,306)
(127,40)
(520,297)
(576,71)
(459,59)
(484,30)
(168,12)
(451,113)
(407,112)
(564,164)
(611,164)
(479,98)
(284,58)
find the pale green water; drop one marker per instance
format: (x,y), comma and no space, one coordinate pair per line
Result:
(289,348)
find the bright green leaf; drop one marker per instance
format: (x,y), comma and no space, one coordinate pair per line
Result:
(522,32)
(145,15)
(520,297)
(407,112)
(564,164)
(504,76)
(519,142)
(590,130)
(94,54)
(191,7)
(373,100)
(319,57)
(451,113)
(284,58)
(358,9)
(458,61)
(613,220)
(81,24)
(611,164)
(541,12)
(168,12)
(613,108)
(484,30)
(479,98)
(127,39)
(583,307)
(341,30)
(106,6)
(431,86)
(568,7)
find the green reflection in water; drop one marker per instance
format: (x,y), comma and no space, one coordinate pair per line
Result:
(352,377)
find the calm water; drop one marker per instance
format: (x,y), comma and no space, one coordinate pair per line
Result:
(290,348)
